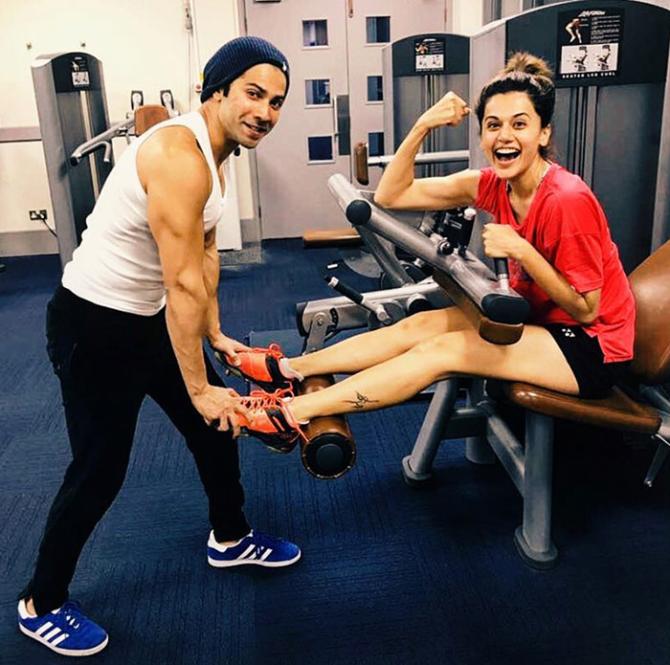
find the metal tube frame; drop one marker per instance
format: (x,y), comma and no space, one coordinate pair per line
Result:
(440,157)
(101,140)
(417,467)
(472,275)
(529,465)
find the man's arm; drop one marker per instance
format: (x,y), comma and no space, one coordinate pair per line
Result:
(212,270)
(177,180)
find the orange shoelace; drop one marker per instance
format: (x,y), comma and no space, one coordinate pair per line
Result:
(273,350)
(259,400)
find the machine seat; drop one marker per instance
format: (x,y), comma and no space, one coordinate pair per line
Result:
(615,411)
(650,366)
(149,115)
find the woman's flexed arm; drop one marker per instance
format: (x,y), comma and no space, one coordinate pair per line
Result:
(400,190)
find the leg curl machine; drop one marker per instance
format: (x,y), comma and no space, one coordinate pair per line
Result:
(405,287)
(498,313)
(330,450)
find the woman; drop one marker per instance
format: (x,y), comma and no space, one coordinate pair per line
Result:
(562,260)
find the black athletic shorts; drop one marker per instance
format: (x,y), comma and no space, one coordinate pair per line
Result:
(594,376)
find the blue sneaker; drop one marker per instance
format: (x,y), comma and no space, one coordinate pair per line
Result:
(255,548)
(65,630)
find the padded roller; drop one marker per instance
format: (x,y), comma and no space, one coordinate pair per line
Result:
(361,163)
(505,309)
(330,450)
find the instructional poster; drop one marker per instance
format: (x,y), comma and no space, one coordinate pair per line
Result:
(589,43)
(79,71)
(428,55)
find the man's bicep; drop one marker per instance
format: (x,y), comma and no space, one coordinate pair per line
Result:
(174,208)
(178,232)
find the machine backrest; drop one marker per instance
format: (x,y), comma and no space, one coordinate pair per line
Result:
(148,116)
(650,282)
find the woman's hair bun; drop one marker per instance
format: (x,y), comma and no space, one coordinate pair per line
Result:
(528,64)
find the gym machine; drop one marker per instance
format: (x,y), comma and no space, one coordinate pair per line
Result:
(446,235)
(626,42)
(500,311)
(459,276)
(72,108)
(498,314)
(74,126)
(417,71)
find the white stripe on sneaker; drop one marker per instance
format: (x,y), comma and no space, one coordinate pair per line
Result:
(43,628)
(247,551)
(59,639)
(266,554)
(53,633)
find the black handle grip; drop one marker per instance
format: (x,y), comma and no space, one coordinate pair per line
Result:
(501,267)
(466,230)
(344,289)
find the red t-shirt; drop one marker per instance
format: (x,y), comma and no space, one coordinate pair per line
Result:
(568,227)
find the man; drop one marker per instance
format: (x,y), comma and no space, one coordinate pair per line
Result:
(139,295)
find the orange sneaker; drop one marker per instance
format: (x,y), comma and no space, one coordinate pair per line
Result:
(270,420)
(259,365)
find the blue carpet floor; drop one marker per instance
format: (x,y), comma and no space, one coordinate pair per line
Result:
(389,574)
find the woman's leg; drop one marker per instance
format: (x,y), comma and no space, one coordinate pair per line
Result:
(374,347)
(535,358)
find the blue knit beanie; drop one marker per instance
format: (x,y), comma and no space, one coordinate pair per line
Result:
(235,57)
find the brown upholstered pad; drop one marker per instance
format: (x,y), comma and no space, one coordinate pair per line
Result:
(361,163)
(491,331)
(148,116)
(649,282)
(617,411)
(345,237)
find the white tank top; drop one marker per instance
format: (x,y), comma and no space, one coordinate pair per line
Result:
(117,263)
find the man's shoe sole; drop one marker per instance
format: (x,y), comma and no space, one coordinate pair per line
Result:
(65,652)
(242,562)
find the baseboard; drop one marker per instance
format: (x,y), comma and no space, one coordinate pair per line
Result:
(250,230)
(27,243)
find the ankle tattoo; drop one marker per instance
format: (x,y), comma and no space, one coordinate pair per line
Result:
(361,401)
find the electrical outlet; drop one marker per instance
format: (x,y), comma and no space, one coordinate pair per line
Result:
(38,215)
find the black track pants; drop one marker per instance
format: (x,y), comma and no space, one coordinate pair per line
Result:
(107,362)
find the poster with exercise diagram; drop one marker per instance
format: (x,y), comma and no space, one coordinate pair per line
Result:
(589,43)
(429,55)
(79,71)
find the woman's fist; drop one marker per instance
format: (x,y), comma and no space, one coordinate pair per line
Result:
(450,110)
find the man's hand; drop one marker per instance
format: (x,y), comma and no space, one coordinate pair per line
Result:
(220,404)
(450,110)
(227,346)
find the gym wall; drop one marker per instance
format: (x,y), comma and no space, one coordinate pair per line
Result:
(142,45)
